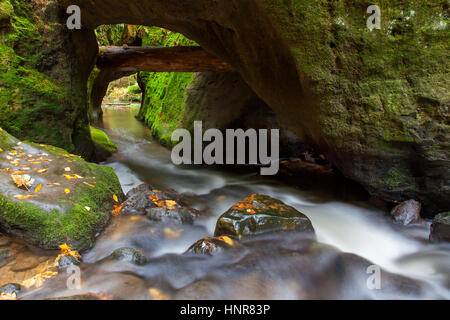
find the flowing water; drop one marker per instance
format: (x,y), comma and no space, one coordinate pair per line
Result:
(274,267)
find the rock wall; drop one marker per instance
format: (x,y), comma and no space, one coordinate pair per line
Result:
(43,74)
(376,103)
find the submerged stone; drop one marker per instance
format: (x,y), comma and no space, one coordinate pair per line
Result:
(440,228)
(66,261)
(129,255)
(10,288)
(212,246)
(260,214)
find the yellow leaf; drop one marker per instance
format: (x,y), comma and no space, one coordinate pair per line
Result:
(38,188)
(65,247)
(156,294)
(66,191)
(172,234)
(20,197)
(115,198)
(68,177)
(227,240)
(1,149)
(35,162)
(171,204)
(42,171)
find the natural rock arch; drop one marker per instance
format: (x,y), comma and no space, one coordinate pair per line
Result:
(324,81)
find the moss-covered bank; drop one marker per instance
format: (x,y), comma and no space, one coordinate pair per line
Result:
(71,206)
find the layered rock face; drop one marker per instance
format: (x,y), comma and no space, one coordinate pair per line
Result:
(375,103)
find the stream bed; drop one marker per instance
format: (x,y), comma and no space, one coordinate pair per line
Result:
(349,235)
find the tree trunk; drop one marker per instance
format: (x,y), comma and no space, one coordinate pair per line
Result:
(156,59)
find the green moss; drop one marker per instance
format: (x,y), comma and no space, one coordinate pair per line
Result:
(101,138)
(163,107)
(5,9)
(395,179)
(71,223)
(32,105)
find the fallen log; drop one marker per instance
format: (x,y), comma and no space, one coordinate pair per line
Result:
(160,59)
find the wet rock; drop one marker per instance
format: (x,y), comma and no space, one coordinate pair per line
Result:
(440,228)
(407,213)
(166,215)
(5,257)
(260,214)
(66,261)
(161,206)
(4,241)
(129,255)
(54,213)
(212,246)
(11,288)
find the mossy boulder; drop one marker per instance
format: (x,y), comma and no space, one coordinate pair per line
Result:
(260,214)
(440,228)
(104,146)
(69,201)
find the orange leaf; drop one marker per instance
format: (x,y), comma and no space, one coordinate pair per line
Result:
(38,188)
(116,211)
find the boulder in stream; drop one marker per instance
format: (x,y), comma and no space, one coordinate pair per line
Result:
(49,197)
(440,228)
(261,214)
(407,212)
(166,206)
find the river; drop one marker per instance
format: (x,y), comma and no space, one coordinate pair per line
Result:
(351,227)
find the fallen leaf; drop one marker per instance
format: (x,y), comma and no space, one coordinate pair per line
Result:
(66,191)
(154,198)
(20,197)
(172,234)
(67,169)
(35,162)
(66,250)
(170,204)
(227,240)
(115,198)
(88,184)
(116,211)
(75,176)
(87,208)
(156,294)
(22,180)
(68,177)
(251,211)
(38,188)
(42,171)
